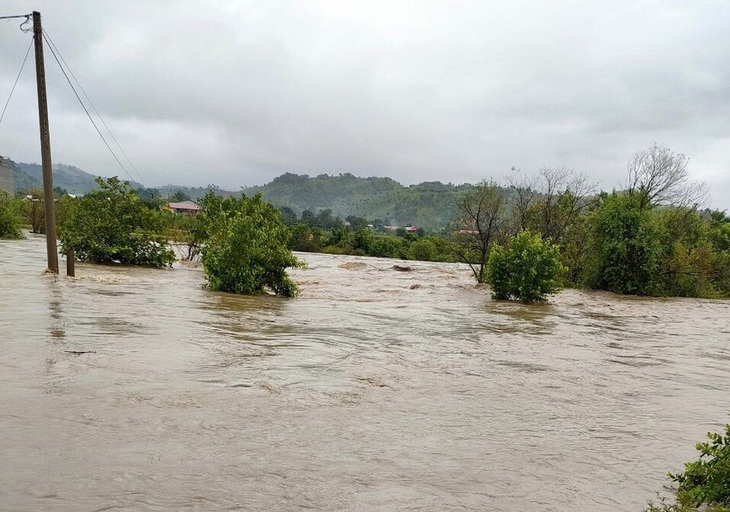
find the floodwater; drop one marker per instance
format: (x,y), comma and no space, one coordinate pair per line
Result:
(376,390)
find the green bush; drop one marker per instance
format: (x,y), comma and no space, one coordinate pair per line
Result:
(9,228)
(245,250)
(305,238)
(527,269)
(705,483)
(624,248)
(110,225)
(384,246)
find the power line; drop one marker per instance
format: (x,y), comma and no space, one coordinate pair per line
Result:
(2,116)
(55,56)
(27,16)
(51,43)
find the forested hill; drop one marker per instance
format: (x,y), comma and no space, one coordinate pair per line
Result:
(430,205)
(65,176)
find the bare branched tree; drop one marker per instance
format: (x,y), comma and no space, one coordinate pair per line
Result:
(564,194)
(481,223)
(525,194)
(657,176)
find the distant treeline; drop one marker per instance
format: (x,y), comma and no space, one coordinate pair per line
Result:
(650,237)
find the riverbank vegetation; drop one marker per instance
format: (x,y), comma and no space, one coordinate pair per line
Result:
(650,236)
(9,221)
(110,225)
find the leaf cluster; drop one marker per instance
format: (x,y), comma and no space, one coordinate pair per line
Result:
(245,249)
(111,225)
(527,268)
(9,222)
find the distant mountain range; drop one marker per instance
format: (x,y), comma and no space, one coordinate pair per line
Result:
(430,205)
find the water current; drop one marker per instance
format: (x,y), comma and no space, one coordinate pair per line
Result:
(376,390)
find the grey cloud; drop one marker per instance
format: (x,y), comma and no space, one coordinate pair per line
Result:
(238,92)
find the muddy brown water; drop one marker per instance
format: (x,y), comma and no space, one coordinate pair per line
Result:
(367,393)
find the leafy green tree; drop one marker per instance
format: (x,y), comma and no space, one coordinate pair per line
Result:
(526,269)
(625,249)
(179,196)
(357,223)
(384,246)
(9,229)
(151,197)
(325,220)
(430,248)
(288,216)
(245,248)
(309,218)
(305,238)
(111,225)
(36,211)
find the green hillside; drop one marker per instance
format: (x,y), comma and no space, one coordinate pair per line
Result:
(69,177)
(21,181)
(430,205)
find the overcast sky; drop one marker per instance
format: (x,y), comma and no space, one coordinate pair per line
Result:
(235,93)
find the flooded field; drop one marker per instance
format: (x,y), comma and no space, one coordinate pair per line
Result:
(376,390)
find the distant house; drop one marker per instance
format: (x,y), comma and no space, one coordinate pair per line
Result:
(411,229)
(184,208)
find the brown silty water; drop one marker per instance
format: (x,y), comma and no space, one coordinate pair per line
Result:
(377,389)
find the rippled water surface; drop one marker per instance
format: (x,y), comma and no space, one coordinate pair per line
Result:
(376,390)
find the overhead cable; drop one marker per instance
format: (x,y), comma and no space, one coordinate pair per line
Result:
(58,61)
(16,81)
(48,38)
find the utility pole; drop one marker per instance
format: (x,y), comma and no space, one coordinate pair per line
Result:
(40,74)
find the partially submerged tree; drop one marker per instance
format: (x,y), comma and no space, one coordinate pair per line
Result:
(481,222)
(624,248)
(527,268)
(9,229)
(111,225)
(245,246)
(35,211)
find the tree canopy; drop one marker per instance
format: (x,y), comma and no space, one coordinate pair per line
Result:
(245,246)
(111,225)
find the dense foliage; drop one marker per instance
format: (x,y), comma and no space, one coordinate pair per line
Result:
(244,246)
(625,248)
(705,483)
(9,222)
(110,225)
(526,269)
(648,238)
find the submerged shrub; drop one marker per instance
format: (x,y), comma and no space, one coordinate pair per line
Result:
(8,220)
(526,269)
(111,225)
(245,250)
